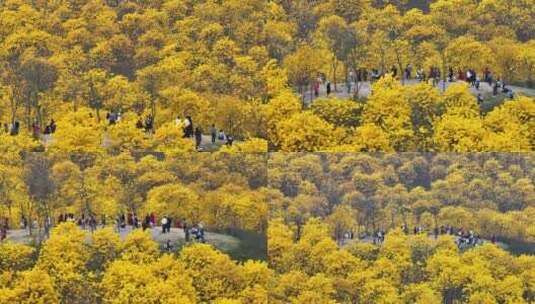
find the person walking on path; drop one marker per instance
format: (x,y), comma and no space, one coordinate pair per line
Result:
(148,124)
(188,131)
(480,98)
(164,224)
(213,132)
(52,126)
(230,140)
(36,130)
(139,124)
(221,135)
(317,87)
(198,137)
(169,224)
(328,87)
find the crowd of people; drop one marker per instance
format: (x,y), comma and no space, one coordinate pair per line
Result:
(433,77)
(188,128)
(46,132)
(83,221)
(37,132)
(190,131)
(146,124)
(13,128)
(193,233)
(196,232)
(463,238)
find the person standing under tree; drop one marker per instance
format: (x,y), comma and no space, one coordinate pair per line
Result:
(213,132)
(164,224)
(188,128)
(169,224)
(198,137)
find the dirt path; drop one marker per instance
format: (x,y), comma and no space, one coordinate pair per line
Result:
(370,240)
(176,236)
(206,143)
(365,90)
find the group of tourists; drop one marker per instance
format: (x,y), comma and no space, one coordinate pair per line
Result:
(84,221)
(468,239)
(132,219)
(498,86)
(190,131)
(14,129)
(195,233)
(379,237)
(47,131)
(463,238)
(146,124)
(113,117)
(191,233)
(166,222)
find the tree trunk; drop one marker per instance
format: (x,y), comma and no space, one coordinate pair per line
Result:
(400,66)
(383,68)
(335,67)
(303,97)
(153,112)
(13,109)
(29,222)
(311,93)
(443,72)
(357,89)
(28,113)
(298,232)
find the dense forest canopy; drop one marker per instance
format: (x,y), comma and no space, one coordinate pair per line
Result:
(318,199)
(100,101)
(223,192)
(406,269)
(239,64)
(69,269)
(492,194)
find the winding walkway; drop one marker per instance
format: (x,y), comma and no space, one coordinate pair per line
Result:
(365,90)
(176,236)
